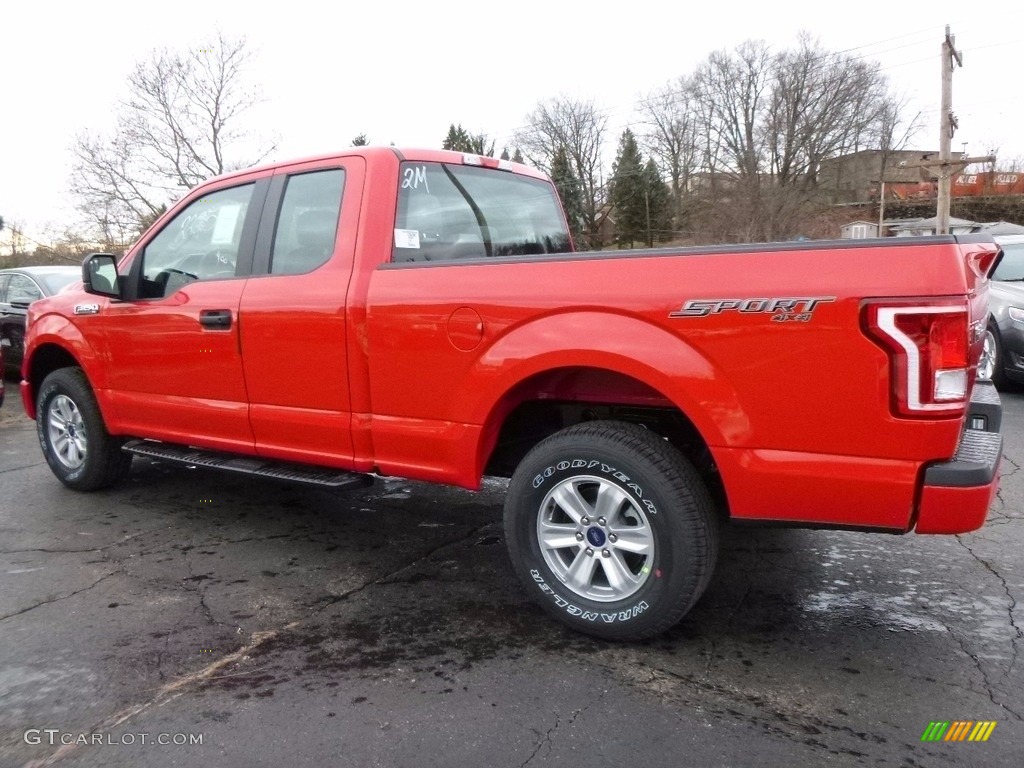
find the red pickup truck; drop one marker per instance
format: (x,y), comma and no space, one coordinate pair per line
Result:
(423,314)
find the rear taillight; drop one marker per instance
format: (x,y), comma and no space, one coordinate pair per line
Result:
(929,352)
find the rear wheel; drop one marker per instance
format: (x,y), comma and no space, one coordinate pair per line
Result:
(74,439)
(611,530)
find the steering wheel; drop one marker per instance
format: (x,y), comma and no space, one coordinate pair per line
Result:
(216,264)
(190,275)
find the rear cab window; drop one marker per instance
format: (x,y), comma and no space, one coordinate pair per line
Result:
(448,211)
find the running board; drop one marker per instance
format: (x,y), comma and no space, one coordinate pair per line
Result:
(278,470)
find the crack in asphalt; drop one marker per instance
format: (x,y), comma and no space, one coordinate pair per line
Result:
(988,684)
(119,569)
(177,688)
(771,715)
(546,738)
(1012,463)
(257,538)
(18,469)
(198,590)
(1011,607)
(385,579)
(46,550)
(166,694)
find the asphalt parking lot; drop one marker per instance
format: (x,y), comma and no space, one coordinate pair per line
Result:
(284,626)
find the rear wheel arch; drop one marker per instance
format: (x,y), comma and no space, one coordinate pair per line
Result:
(559,398)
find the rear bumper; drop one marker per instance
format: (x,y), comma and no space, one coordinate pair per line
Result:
(957,493)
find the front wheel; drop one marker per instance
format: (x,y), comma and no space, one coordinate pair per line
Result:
(611,530)
(74,439)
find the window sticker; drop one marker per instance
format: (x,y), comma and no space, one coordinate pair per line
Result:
(414,178)
(407,238)
(224,229)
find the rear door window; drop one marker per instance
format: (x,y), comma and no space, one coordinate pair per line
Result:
(307,224)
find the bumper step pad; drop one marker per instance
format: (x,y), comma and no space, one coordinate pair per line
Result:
(975,463)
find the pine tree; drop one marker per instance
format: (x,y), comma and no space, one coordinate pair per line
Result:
(360,141)
(658,203)
(461,140)
(627,190)
(504,154)
(457,139)
(569,190)
(517,156)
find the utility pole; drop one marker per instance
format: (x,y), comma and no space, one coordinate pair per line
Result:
(947,126)
(647,207)
(945,167)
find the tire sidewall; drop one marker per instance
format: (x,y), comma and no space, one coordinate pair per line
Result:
(647,488)
(53,386)
(998,377)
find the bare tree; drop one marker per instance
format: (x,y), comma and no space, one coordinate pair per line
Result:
(17,236)
(893,129)
(180,124)
(579,127)
(771,119)
(669,134)
(733,88)
(1009,164)
(823,104)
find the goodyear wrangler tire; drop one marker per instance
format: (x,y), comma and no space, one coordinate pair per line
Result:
(611,530)
(74,439)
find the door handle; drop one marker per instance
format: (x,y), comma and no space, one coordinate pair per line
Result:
(215,319)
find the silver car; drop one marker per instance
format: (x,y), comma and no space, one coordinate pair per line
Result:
(1003,358)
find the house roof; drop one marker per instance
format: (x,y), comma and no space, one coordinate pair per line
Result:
(932,222)
(1001,228)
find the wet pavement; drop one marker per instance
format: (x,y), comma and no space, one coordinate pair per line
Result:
(285,626)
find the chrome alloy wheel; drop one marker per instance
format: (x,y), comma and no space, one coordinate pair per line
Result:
(987,363)
(595,538)
(66,431)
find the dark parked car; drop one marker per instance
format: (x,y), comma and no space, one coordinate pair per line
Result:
(1003,358)
(19,287)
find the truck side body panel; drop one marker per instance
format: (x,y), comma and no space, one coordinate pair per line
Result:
(410,368)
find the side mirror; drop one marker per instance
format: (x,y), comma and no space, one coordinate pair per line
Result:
(99,275)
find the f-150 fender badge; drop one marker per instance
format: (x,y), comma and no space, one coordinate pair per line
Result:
(87,309)
(798,309)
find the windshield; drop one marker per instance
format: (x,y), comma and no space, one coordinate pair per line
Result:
(448,211)
(59,280)
(1012,265)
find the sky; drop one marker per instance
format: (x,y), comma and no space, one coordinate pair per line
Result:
(402,72)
